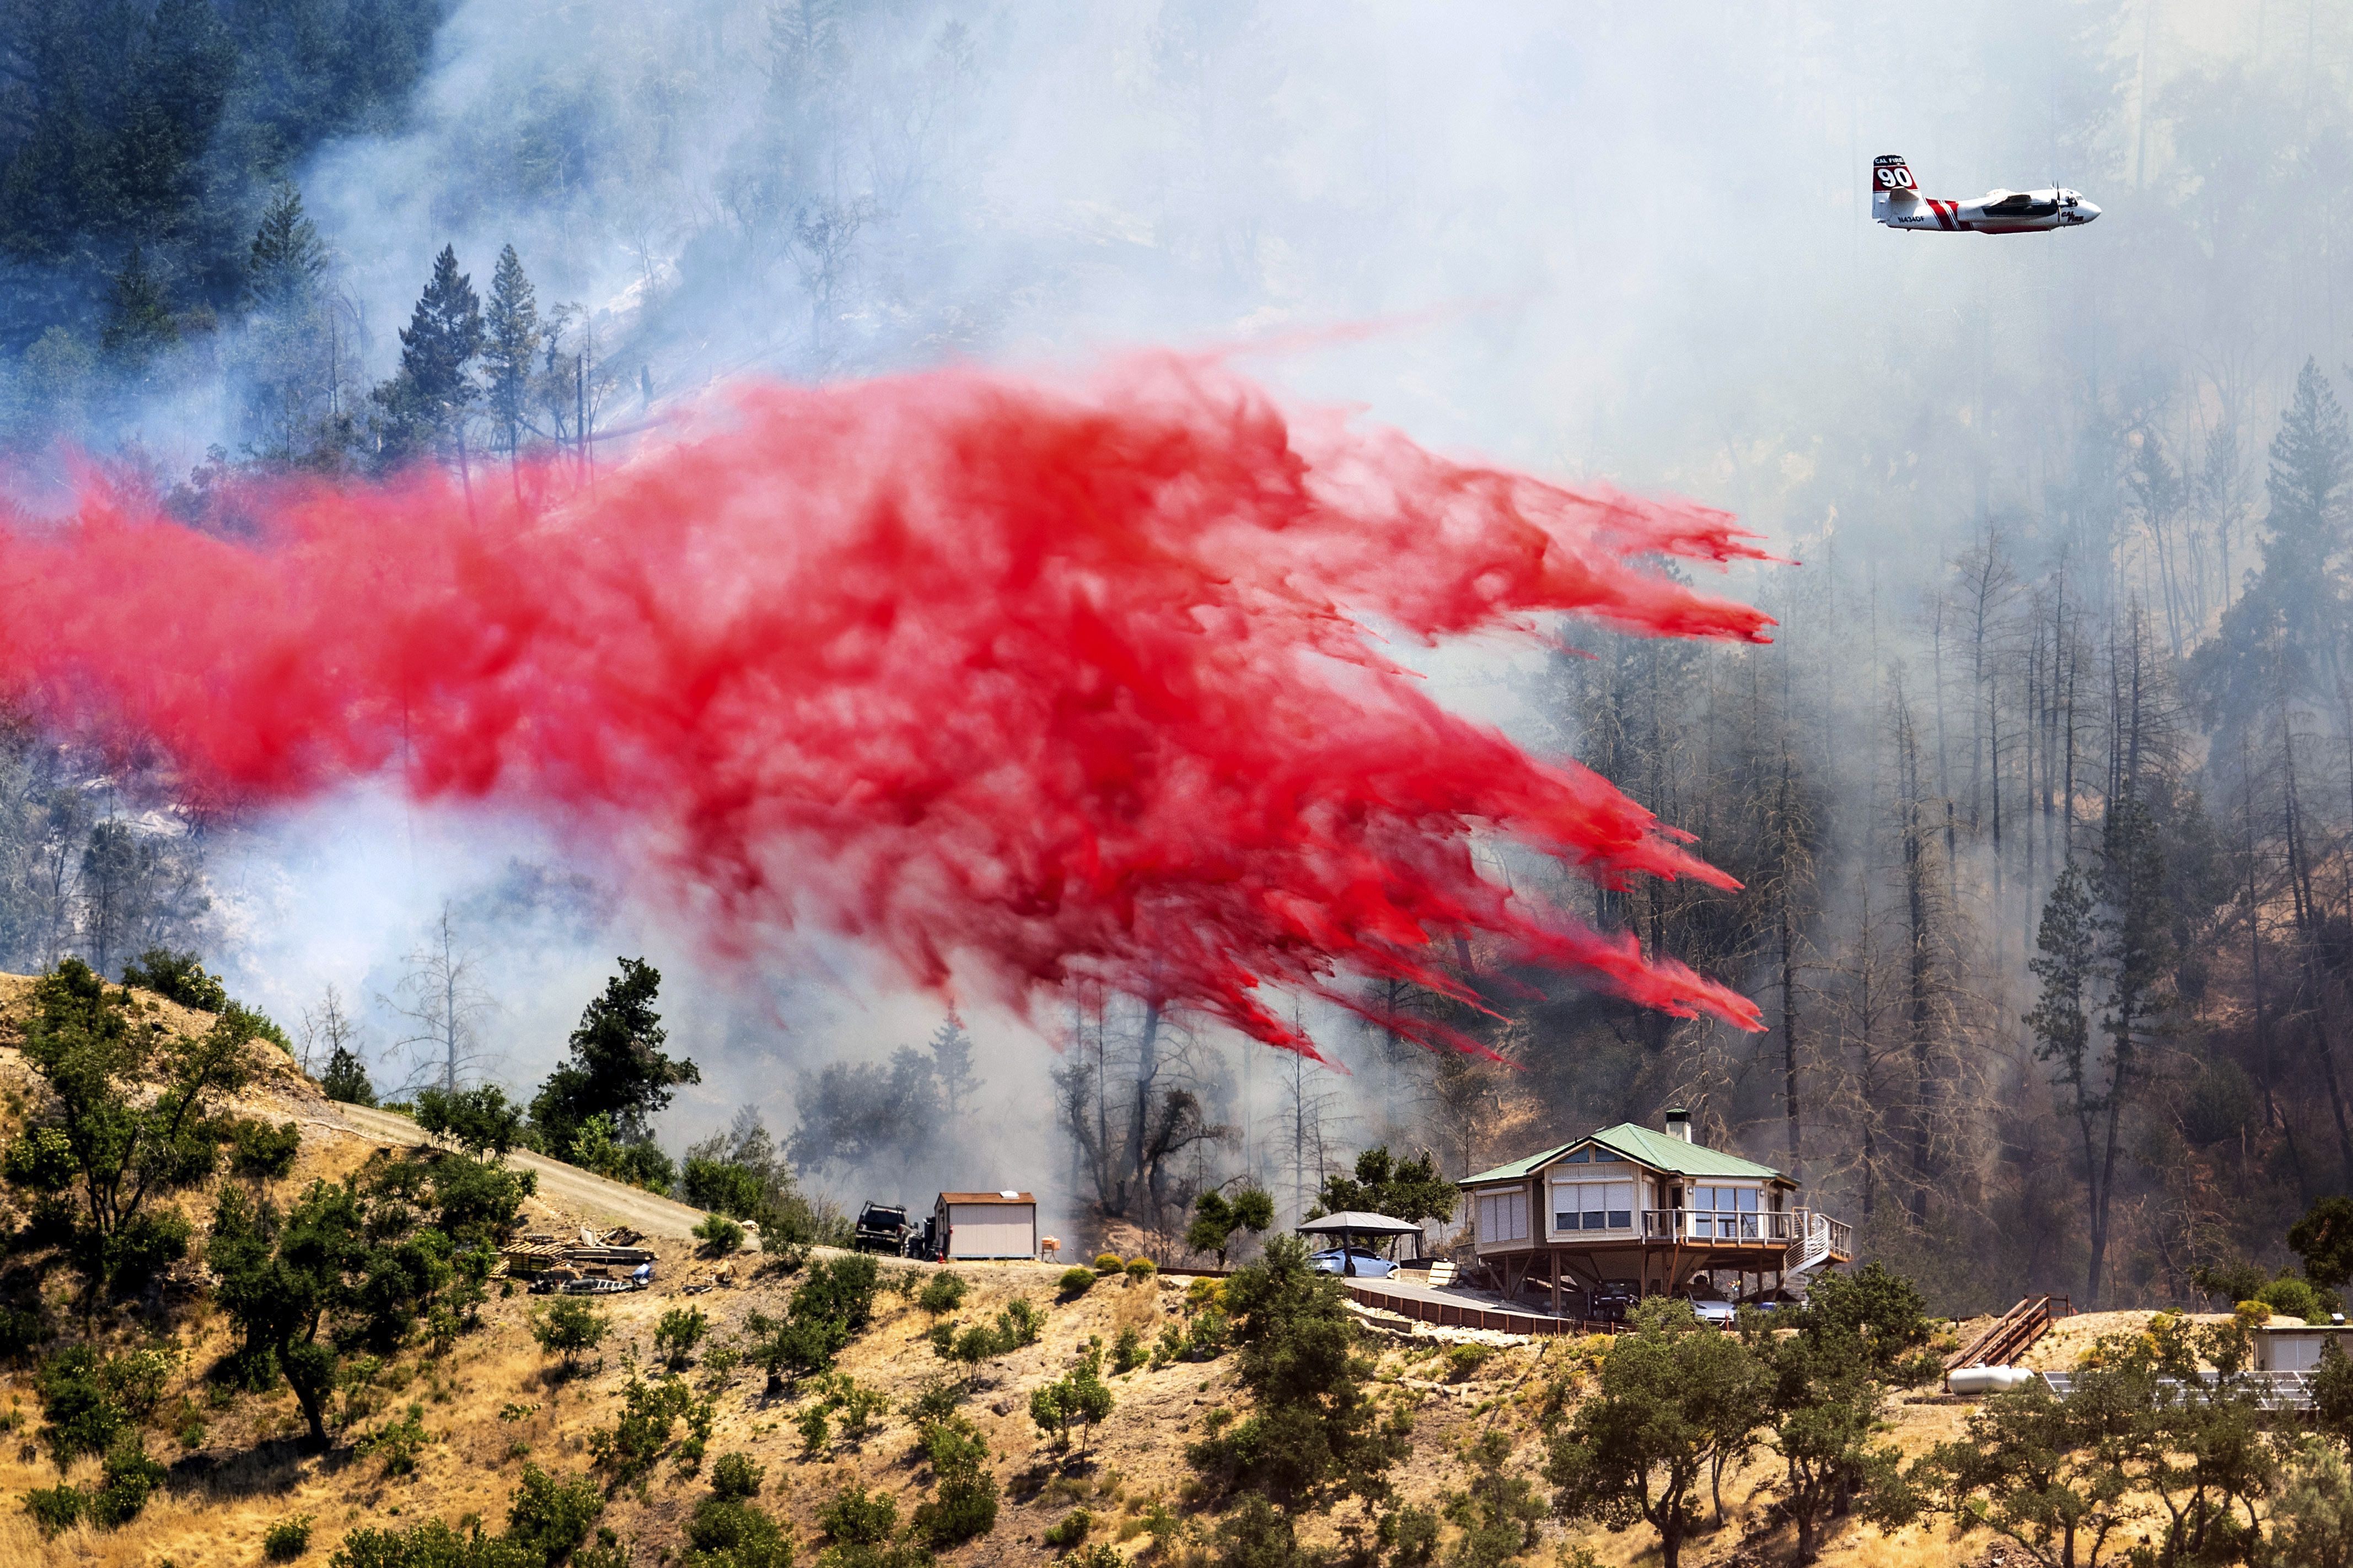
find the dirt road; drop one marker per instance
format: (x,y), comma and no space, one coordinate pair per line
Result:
(566,1186)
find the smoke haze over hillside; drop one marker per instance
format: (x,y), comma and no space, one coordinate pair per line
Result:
(1627,245)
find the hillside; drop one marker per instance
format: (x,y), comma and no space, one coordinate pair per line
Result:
(237,1463)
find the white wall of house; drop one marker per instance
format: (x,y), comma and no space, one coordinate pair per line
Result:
(1502,1217)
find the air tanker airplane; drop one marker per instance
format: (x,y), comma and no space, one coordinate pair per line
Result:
(1897,203)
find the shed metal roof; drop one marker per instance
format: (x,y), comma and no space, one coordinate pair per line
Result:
(1657,1151)
(1003,1197)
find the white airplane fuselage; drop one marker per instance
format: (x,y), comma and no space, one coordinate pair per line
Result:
(1894,201)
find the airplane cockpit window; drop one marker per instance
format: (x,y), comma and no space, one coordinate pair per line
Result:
(2021,205)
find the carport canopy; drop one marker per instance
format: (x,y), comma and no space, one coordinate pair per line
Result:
(1355,1222)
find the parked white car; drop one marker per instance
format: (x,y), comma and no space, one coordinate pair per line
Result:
(1369,1264)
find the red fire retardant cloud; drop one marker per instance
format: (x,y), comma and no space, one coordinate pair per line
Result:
(1030,684)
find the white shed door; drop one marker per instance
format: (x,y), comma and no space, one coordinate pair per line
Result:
(991,1230)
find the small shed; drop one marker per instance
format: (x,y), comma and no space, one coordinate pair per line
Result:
(2296,1347)
(974,1225)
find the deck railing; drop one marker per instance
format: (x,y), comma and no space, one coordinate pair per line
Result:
(1783,1227)
(1786,1227)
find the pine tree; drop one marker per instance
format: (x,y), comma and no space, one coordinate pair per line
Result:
(512,338)
(139,315)
(2311,460)
(429,396)
(286,257)
(952,1060)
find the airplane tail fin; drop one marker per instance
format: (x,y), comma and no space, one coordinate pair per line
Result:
(1891,177)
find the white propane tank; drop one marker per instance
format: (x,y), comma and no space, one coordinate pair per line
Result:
(1989,1379)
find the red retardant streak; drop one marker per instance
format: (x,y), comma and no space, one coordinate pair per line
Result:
(1030,684)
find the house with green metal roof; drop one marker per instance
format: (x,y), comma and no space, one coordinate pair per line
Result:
(1633,1209)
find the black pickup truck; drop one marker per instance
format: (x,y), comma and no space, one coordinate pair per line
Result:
(881,1228)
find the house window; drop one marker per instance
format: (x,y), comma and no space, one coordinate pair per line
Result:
(1502,1216)
(1592,1205)
(1724,1214)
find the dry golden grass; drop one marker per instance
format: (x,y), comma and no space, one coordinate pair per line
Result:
(250,1470)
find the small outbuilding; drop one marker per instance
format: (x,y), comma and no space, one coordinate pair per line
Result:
(2296,1347)
(976,1225)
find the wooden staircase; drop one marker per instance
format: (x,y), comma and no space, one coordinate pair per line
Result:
(2012,1333)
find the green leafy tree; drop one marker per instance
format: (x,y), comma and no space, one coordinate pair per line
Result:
(277,1279)
(2058,1478)
(1079,1396)
(177,977)
(1313,1436)
(617,1067)
(1214,1219)
(133,1104)
(1674,1394)
(2323,1239)
(1383,1184)
(480,1121)
(829,1309)
(2312,1522)
(1826,1384)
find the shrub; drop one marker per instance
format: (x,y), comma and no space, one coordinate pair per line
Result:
(1020,1323)
(942,1294)
(1071,1530)
(1411,1535)
(1260,1535)
(816,1428)
(288,1539)
(720,1234)
(964,1508)
(935,1400)
(1208,1338)
(1127,1351)
(1464,1360)
(736,1533)
(859,1517)
(569,1326)
(1074,1283)
(630,1445)
(549,1517)
(735,1476)
(1109,1263)
(680,1330)
(1140,1270)
(2295,1297)
(398,1443)
(53,1508)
